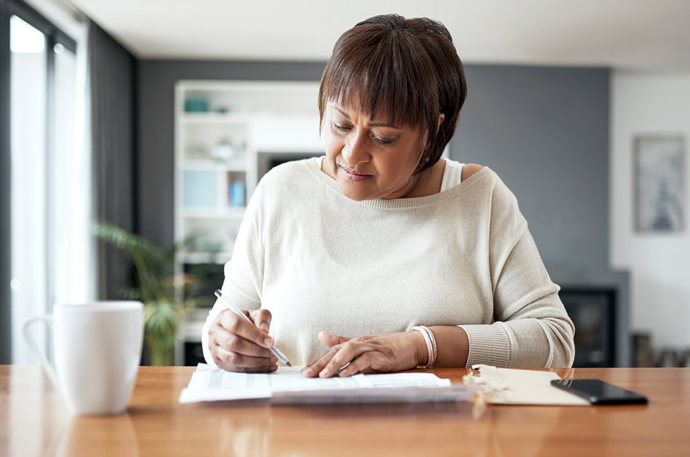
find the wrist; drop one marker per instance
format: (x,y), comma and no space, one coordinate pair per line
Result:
(421,356)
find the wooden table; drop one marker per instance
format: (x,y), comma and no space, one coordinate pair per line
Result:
(35,421)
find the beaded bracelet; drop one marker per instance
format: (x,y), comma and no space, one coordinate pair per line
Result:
(431,349)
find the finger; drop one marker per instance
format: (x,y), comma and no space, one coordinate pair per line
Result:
(365,363)
(261,318)
(356,366)
(235,343)
(331,340)
(235,324)
(346,354)
(237,362)
(315,368)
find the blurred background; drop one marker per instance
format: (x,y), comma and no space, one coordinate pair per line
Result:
(132,134)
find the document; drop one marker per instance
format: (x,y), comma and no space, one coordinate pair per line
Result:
(506,386)
(288,386)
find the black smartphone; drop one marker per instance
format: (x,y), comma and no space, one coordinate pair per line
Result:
(598,392)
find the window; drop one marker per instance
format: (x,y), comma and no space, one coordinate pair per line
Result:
(50,188)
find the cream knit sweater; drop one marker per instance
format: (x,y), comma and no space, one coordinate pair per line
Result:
(320,261)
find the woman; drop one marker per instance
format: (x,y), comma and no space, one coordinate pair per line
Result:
(420,260)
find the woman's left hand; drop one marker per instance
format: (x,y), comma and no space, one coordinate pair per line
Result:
(368,354)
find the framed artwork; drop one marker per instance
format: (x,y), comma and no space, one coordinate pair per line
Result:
(659,170)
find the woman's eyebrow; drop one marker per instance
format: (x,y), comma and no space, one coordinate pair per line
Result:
(341,111)
(373,124)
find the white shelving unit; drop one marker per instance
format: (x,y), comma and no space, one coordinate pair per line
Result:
(228,132)
(224,133)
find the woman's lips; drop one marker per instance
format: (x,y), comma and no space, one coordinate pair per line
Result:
(353,175)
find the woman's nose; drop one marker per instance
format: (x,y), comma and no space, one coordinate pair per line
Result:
(355,151)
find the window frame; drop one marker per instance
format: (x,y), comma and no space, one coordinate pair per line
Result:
(5,186)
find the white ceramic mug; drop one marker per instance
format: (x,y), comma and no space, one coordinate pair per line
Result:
(97,349)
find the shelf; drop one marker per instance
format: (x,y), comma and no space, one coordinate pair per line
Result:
(190,328)
(204,257)
(213,118)
(238,165)
(251,97)
(230,212)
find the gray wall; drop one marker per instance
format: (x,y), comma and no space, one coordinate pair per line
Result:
(543,129)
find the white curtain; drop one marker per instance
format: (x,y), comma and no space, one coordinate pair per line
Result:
(51,191)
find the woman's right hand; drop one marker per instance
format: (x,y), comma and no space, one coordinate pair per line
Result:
(237,345)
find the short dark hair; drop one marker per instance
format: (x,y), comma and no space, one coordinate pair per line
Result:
(409,68)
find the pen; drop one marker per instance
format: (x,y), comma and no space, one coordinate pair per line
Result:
(232,307)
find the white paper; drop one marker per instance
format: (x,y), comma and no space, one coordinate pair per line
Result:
(288,385)
(519,387)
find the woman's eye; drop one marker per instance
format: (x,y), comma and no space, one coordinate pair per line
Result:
(383,140)
(340,128)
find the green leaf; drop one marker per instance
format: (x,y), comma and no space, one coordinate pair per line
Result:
(154,268)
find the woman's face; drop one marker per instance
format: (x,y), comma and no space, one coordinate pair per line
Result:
(370,158)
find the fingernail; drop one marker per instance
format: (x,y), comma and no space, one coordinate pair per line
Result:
(323,373)
(268,341)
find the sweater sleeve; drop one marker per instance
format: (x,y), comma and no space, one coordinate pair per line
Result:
(243,273)
(531,328)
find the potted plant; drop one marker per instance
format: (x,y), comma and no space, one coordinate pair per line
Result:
(156,288)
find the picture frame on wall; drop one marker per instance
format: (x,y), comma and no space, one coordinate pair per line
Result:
(659,183)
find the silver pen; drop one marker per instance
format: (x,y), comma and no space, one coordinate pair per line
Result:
(235,310)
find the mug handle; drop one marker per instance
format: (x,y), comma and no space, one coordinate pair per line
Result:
(47,367)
